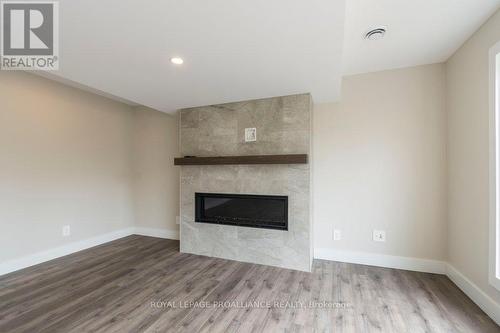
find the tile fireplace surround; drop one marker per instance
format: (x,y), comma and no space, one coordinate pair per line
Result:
(283,127)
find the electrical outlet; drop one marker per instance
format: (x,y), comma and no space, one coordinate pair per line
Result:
(177,220)
(250,134)
(337,234)
(379,235)
(66,231)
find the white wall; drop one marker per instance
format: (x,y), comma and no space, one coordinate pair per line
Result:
(156,179)
(65,159)
(68,157)
(380,163)
(467,107)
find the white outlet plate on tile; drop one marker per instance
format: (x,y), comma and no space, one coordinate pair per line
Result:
(250,134)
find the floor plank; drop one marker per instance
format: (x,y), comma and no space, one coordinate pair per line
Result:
(143,284)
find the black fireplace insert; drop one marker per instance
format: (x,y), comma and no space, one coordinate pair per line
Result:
(257,211)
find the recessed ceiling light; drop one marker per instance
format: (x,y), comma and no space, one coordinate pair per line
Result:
(376,34)
(177,61)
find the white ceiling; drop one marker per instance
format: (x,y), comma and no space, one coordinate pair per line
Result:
(232,49)
(418,31)
(238,49)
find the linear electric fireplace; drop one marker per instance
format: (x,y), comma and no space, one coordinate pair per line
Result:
(257,211)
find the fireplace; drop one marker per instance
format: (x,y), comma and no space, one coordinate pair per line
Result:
(231,226)
(256,211)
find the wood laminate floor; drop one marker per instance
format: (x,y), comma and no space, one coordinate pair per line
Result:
(120,287)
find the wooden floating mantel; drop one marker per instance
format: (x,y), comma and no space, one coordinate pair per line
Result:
(252,159)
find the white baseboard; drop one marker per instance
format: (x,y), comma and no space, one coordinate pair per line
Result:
(61,251)
(160,233)
(381,260)
(485,302)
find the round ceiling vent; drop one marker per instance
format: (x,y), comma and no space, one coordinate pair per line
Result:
(376,34)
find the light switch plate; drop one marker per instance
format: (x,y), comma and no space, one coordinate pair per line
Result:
(250,134)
